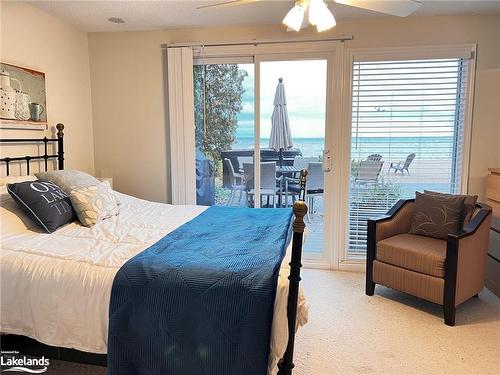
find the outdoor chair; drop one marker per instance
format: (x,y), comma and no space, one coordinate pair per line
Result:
(444,271)
(303,161)
(374,157)
(368,172)
(268,181)
(236,182)
(314,187)
(400,166)
(242,160)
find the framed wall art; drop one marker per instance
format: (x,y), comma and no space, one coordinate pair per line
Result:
(23,102)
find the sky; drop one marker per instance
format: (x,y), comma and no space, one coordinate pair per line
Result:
(404,107)
(305,90)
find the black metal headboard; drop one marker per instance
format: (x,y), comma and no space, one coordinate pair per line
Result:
(59,156)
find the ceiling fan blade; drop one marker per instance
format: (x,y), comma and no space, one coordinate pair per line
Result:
(227,3)
(400,8)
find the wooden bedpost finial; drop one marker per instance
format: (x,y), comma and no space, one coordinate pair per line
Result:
(300,207)
(60,128)
(299,210)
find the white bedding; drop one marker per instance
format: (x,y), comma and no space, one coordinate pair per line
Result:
(56,287)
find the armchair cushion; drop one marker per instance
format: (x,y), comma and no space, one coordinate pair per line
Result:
(412,252)
(437,215)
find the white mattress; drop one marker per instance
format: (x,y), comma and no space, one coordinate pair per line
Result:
(56,287)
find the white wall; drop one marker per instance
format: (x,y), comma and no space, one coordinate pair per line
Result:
(127,97)
(128,104)
(33,39)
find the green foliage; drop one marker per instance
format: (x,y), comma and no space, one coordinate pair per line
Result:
(381,195)
(218,92)
(354,167)
(384,191)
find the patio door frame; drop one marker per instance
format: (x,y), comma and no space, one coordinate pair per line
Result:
(342,261)
(333,53)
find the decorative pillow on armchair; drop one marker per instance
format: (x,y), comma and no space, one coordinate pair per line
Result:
(94,203)
(437,215)
(469,205)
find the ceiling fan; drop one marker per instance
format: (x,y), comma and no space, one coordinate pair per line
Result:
(316,12)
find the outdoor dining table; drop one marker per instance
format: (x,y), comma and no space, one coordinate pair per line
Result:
(285,170)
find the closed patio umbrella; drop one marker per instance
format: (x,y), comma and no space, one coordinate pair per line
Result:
(281,136)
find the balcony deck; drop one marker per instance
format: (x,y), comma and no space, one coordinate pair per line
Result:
(424,174)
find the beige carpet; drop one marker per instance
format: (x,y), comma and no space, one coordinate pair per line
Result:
(393,333)
(389,333)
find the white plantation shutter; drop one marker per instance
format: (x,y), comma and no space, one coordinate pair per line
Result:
(401,108)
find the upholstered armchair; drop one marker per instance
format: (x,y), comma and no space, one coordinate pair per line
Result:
(447,272)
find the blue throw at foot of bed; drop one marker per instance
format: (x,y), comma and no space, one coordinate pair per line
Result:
(200,301)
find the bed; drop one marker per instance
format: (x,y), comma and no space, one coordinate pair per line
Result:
(56,288)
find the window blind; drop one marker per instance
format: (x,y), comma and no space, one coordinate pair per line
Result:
(409,115)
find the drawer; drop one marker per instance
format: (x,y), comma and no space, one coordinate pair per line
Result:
(493,187)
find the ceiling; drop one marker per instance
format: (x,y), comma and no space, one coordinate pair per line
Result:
(92,16)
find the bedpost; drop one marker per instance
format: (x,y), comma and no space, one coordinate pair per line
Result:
(299,209)
(60,146)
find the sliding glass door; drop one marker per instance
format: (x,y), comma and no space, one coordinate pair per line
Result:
(370,126)
(407,134)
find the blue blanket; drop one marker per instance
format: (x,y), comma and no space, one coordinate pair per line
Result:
(200,301)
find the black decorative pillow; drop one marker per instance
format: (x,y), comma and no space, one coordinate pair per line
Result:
(44,202)
(437,215)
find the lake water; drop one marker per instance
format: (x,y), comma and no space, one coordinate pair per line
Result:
(425,148)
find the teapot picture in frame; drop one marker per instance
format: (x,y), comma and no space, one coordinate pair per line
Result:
(20,87)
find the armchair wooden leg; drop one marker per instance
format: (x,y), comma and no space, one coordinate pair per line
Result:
(370,257)
(370,287)
(449,315)
(450,281)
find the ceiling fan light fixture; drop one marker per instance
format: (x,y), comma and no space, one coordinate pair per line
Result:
(294,17)
(316,8)
(326,20)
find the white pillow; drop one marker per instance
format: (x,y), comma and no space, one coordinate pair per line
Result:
(12,218)
(68,179)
